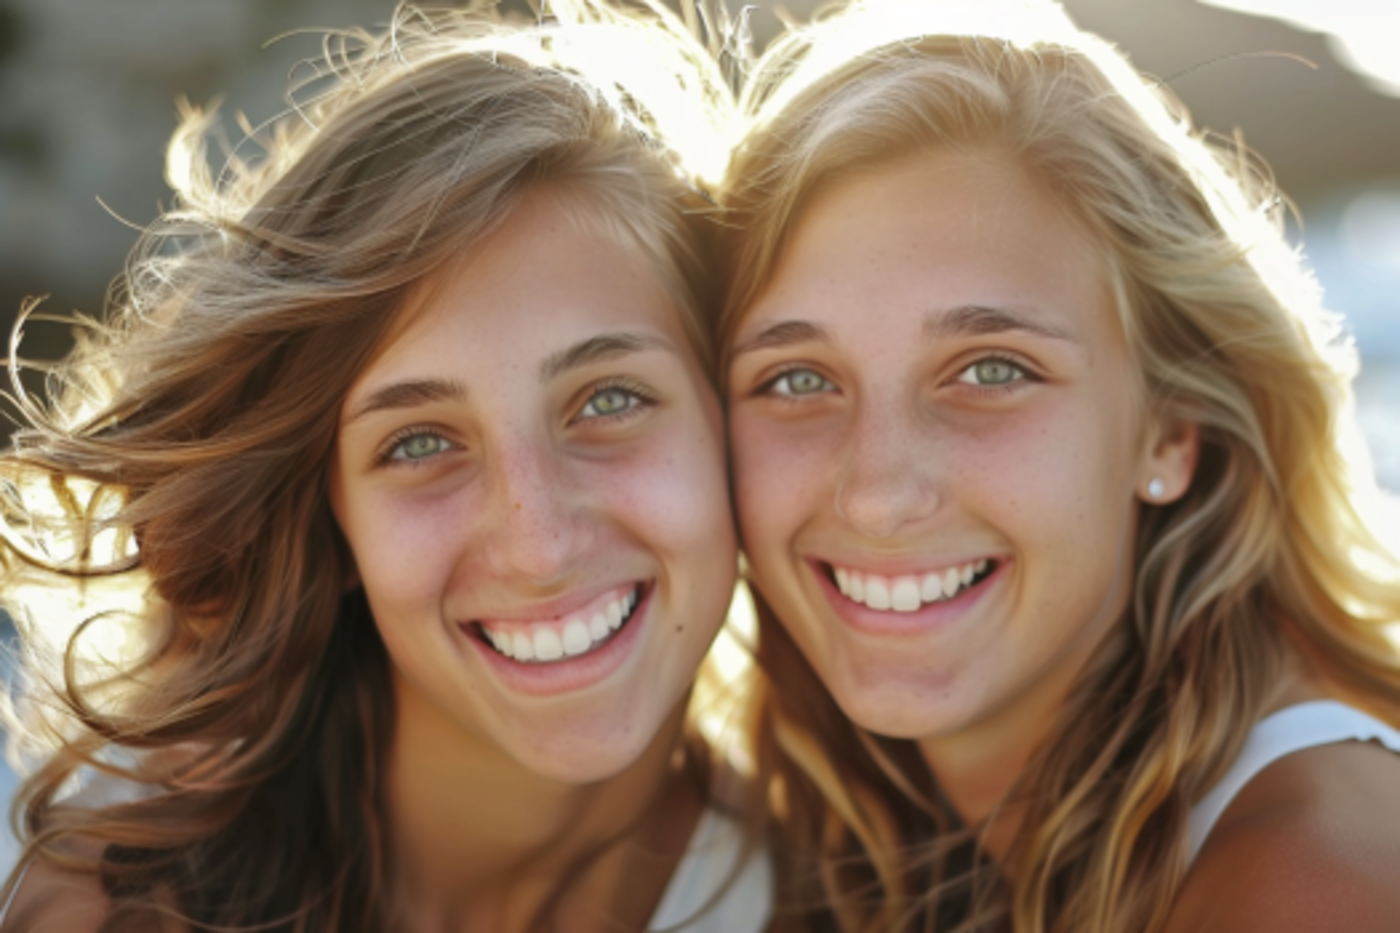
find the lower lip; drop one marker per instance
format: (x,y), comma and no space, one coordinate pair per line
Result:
(567,674)
(928,617)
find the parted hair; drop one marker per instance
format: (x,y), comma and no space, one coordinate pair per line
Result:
(1274,556)
(182,448)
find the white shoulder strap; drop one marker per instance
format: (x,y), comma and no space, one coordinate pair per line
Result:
(697,899)
(1292,729)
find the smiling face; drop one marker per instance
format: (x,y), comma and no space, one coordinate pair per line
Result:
(531,479)
(937,442)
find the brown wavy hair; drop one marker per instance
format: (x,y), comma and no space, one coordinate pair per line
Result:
(1273,557)
(183,445)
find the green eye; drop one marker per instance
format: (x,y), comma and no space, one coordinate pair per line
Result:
(801,382)
(607,402)
(418,447)
(991,372)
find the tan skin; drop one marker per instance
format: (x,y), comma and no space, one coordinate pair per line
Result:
(499,875)
(936,375)
(502,872)
(530,483)
(565,476)
(1312,843)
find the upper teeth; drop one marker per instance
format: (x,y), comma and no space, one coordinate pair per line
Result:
(908,593)
(561,638)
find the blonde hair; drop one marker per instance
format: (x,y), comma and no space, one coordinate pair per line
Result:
(186,439)
(1272,557)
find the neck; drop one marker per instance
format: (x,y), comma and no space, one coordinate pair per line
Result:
(977,766)
(976,769)
(480,842)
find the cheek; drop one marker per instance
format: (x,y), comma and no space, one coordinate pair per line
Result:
(671,492)
(1056,484)
(780,479)
(1050,472)
(672,502)
(403,546)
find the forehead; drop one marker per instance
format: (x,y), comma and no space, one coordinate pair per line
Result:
(547,277)
(929,232)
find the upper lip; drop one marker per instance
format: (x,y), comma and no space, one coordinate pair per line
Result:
(912,565)
(554,609)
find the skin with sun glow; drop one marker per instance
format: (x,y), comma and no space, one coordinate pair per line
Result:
(921,484)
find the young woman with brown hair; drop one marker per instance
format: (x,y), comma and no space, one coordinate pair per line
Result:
(1072,592)
(406,427)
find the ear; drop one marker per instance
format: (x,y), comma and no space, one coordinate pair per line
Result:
(1169,463)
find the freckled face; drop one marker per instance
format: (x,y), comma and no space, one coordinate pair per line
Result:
(936,444)
(531,478)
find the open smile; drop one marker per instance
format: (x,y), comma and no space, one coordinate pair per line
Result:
(550,641)
(569,652)
(910,592)
(911,602)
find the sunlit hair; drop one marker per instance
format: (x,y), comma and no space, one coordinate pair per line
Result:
(181,453)
(1272,557)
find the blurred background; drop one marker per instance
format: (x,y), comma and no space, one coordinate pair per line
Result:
(88,91)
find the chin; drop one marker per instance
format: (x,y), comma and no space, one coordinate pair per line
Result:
(583,756)
(891,721)
(897,711)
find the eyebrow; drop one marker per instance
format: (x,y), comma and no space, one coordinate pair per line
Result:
(598,349)
(409,394)
(782,334)
(978,321)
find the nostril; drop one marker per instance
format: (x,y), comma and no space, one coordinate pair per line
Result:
(882,487)
(882,513)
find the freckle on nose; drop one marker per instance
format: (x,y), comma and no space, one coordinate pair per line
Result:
(517,506)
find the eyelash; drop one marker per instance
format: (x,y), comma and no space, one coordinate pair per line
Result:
(385,455)
(1024,374)
(770,389)
(639,397)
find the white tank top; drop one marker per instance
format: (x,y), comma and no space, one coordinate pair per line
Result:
(1292,729)
(710,891)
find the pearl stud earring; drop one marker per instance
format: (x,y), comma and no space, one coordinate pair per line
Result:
(1155,488)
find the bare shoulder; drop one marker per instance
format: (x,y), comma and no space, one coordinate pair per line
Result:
(1312,843)
(50,900)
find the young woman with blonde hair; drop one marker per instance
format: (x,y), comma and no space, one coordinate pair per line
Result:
(405,427)
(1072,588)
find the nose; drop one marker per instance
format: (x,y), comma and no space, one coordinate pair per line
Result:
(536,529)
(886,480)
